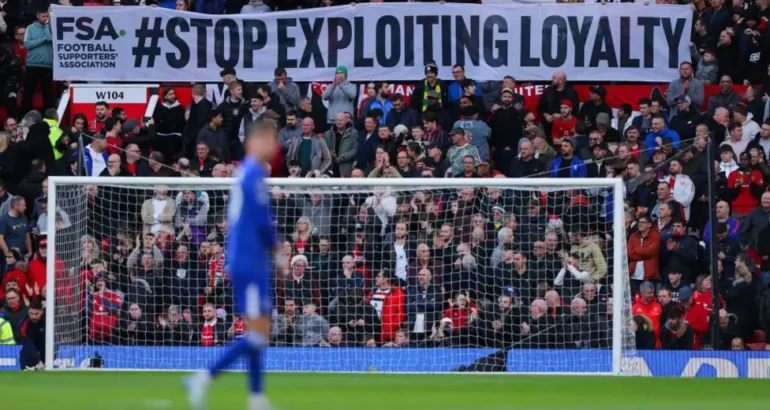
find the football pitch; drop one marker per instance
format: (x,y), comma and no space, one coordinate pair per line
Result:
(376,391)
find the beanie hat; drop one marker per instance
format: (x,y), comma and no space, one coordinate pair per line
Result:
(343,70)
(431,67)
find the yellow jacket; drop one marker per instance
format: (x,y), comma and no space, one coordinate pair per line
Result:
(6,333)
(54,136)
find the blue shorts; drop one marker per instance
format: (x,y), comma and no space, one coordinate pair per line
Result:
(252,297)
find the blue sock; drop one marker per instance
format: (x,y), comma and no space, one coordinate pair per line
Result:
(255,371)
(233,352)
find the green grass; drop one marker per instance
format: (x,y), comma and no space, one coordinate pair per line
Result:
(376,391)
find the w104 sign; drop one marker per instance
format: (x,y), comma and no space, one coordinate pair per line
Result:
(589,42)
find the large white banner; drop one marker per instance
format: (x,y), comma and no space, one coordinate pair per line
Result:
(589,42)
(567,1)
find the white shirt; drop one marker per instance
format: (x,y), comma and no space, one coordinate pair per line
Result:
(98,164)
(401,261)
(158,206)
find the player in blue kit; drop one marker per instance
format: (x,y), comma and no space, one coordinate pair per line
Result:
(251,246)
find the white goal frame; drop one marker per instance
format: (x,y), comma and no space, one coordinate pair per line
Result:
(618,246)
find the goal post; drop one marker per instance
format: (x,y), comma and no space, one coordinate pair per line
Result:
(87,320)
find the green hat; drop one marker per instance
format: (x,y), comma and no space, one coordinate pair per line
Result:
(343,69)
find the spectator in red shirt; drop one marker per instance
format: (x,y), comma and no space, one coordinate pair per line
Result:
(212,330)
(18,44)
(703,294)
(390,304)
(744,187)
(113,143)
(696,316)
(103,306)
(564,125)
(102,112)
(647,306)
(12,271)
(453,328)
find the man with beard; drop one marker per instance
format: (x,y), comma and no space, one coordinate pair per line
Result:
(682,187)
(744,187)
(32,333)
(685,86)
(381,101)
(499,328)
(431,82)
(726,97)
(595,105)
(686,119)
(342,141)
(169,124)
(401,114)
(250,117)
(289,132)
(567,165)
(549,106)
(506,129)
(102,113)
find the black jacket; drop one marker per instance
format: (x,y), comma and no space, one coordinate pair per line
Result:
(684,123)
(32,341)
(506,129)
(31,188)
(38,145)
(532,168)
(199,116)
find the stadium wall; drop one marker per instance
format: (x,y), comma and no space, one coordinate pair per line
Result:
(709,364)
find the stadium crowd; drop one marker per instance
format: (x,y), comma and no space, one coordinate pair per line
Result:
(481,266)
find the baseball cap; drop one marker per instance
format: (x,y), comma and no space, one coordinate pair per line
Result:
(433,94)
(682,97)
(457,131)
(685,293)
(506,90)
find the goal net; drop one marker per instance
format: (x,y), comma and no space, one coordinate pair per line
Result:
(506,275)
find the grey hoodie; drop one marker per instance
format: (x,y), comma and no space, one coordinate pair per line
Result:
(341,99)
(311,330)
(287,134)
(289,96)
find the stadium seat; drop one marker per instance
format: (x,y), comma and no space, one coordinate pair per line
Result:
(759,337)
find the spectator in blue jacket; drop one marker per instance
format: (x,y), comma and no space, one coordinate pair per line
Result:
(39,44)
(568,165)
(659,132)
(401,114)
(96,156)
(381,101)
(456,89)
(210,6)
